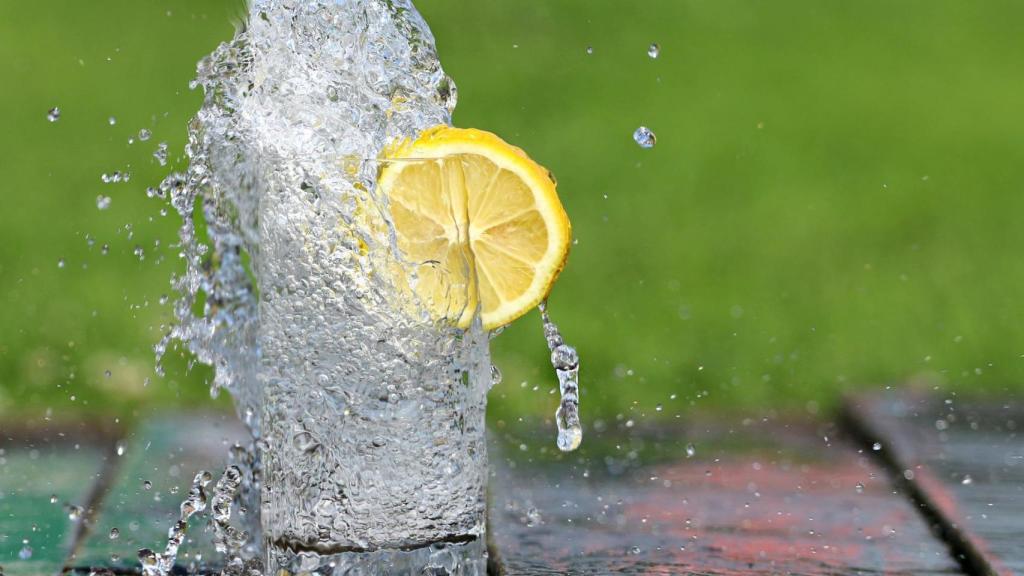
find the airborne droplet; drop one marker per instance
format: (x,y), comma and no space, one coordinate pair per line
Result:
(644,137)
(653,50)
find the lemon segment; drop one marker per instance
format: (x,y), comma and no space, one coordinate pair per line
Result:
(480,222)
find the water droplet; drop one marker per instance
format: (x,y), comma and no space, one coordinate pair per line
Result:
(139,252)
(147,485)
(691,450)
(495,375)
(103,202)
(60,263)
(111,120)
(653,50)
(659,408)
(74,513)
(590,49)
(144,134)
(115,533)
(53,499)
(105,249)
(876,446)
(533,517)
(859,488)
(52,115)
(121,447)
(644,137)
(634,550)
(967,481)
(570,438)
(26,551)
(160,154)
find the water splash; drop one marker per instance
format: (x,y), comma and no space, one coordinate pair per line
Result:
(291,293)
(155,564)
(566,363)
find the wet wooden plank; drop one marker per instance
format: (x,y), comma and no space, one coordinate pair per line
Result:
(166,453)
(964,464)
(758,499)
(45,469)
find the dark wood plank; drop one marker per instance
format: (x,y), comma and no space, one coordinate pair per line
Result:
(167,453)
(965,465)
(760,499)
(45,469)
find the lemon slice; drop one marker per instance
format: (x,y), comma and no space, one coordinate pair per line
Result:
(480,222)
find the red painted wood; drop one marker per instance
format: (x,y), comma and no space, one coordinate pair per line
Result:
(791,505)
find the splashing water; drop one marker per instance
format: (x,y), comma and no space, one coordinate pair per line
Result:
(155,564)
(293,297)
(367,413)
(566,363)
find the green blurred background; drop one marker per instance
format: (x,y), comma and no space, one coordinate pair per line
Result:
(832,204)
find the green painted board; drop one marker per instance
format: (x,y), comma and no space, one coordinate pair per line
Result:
(31,474)
(167,453)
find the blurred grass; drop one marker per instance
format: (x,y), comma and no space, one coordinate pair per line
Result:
(833,201)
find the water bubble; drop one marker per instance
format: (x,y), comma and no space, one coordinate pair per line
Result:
(26,551)
(105,249)
(115,533)
(644,137)
(103,202)
(53,499)
(147,485)
(967,481)
(876,446)
(691,450)
(111,120)
(590,50)
(74,513)
(653,50)
(121,447)
(659,408)
(859,488)
(60,263)
(144,134)
(635,550)
(495,375)
(52,115)
(139,252)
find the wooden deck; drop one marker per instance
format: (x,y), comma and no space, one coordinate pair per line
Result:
(757,497)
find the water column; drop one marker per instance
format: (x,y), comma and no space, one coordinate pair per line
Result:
(372,418)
